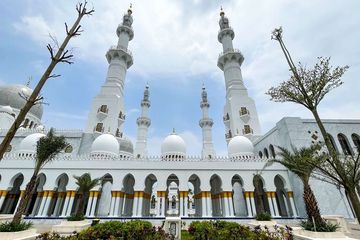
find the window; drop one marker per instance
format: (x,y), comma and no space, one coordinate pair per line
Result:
(31,124)
(243,111)
(272,150)
(9,148)
(260,154)
(344,144)
(118,133)
(121,115)
(99,127)
(26,123)
(266,153)
(103,109)
(247,129)
(356,140)
(69,149)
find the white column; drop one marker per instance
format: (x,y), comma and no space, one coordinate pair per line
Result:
(253,203)
(163,205)
(209,205)
(66,204)
(271,206)
(203,204)
(186,209)
(2,197)
(71,202)
(225,204)
(181,203)
(112,204)
(117,203)
(248,204)
(42,203)
(139,212)
(231,204)
(18,203)
(292,203)
(47,203)
(93,206)
(90,200)
(276,208)
(59,200)
(135,203)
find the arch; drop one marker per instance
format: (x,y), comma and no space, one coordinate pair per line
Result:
(58,199)
(260,154)
(333,142)
(239,202)
(272,151)
(260,197)
(26,122)
(172,201)
(33,205)
(194,203)
(128,189)
(149,201)
(216,195)
(266,153)
(31,124)
(282,199)
(356,140)
(103,207)
(8,149)
(344,143)
(13,196)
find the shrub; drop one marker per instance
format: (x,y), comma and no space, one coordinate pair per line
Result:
(51,236)
(327,227)
(222,230)
(76,217)
(13,227)
(263,216)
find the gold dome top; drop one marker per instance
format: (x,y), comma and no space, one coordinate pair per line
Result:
(130,8)
(222,11)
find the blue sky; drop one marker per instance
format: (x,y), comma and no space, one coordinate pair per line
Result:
(175,50)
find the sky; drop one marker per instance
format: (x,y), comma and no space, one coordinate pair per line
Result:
(175,51)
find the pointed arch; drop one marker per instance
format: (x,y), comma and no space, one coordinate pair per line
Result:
(344,143)
(150,195)
(13,196)
(272,151)
(282,199)
(356,140)
(216,192)
(128,189)
(239,202)
(260,197)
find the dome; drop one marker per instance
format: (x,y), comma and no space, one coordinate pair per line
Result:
(105,144)
(173,144)
(240,146)
(126,145)
(9,96)
(28,144)
(6,109)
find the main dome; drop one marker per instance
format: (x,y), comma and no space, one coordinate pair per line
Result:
(105,144)
(9,96)
(173,145)
(240,146)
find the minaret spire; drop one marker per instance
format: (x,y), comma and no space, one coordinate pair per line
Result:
(143,123)
(240,110)
(108,110)
(206,124)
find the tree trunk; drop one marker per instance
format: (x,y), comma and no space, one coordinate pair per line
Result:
(25,199)
(311,205)
(81,207)
(355,202)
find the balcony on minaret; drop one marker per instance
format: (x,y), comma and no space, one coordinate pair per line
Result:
(247,130)
(121,118)
(118,133)
(118,52)
(102,112)
(230,54)
(244,114)
(226,119)
(228,135)
(99,128)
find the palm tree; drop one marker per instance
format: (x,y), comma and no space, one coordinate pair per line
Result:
(85,184)
(46,149)
(298,161)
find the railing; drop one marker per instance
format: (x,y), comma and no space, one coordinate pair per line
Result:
(119,47)
(225,29)
(229,50)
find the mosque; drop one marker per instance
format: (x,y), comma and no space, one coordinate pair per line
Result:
(136,185)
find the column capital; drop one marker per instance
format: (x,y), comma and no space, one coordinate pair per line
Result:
(290,194)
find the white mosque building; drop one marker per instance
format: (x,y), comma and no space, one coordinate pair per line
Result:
(136,185)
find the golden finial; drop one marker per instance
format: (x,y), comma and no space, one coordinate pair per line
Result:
(222,11)
(130,8)
(173,132)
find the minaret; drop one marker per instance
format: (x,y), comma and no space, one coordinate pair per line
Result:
(143,123)
(240,110)
(107,113)
(206,124)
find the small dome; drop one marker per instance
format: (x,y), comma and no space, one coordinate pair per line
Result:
(173,145)
(126,145)
(28,144)
(105,144)
(40,128)
(6,109)
(9,96)
(240,146)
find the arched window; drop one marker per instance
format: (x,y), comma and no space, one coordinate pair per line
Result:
(260,154)
(69,149)
(266,153)
(9,148)
(333,142)
(103,109)
(272,151)
(356,140)
(26,122)
(344,144)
